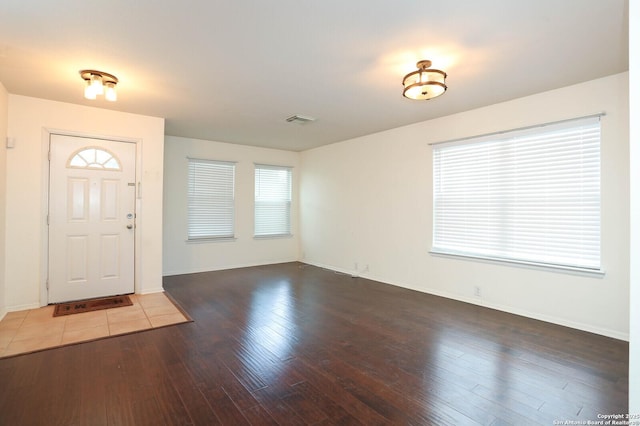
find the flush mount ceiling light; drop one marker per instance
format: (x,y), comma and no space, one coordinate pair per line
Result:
(99,83)
(426,83)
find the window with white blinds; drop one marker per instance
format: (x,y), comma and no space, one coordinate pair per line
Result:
(529,196)
(272,201)
(211,199)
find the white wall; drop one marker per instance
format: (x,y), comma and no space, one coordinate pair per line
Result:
(181,257)
(368,201)
(29,121)
(634,114)
(4,115)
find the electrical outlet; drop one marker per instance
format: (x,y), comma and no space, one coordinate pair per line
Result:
(366,268)
(477,291)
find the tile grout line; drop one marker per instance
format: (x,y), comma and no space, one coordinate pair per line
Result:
(108,324)
(66,324)
(145,313)
(15,332)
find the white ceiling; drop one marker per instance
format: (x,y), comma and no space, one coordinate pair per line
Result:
(233,71)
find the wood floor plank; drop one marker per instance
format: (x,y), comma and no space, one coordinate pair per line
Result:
(308,395)
(258,416)
(295,344)
(271,399)
(224,408)
(336,391)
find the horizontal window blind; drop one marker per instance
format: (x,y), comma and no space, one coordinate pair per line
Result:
(530,195)
(272,200)
(211,199)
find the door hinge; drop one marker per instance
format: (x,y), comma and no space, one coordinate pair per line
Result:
(49,155)
(47,284)
(47,220)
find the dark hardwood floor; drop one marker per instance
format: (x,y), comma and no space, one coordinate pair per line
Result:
(294,344)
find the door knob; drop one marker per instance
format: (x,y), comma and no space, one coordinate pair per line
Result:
(129,226)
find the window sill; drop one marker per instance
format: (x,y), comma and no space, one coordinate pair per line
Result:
(210,240)
(272,237)
(598,273)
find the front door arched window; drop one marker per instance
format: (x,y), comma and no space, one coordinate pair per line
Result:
(94,158)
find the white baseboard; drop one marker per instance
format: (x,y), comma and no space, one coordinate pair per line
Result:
(24,307)
(533,315)
(224,267)
(615,334)
(335,269)
(152,290)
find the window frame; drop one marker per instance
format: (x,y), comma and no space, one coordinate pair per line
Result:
(96,164)
(225,204)
(287,202)
(514,136)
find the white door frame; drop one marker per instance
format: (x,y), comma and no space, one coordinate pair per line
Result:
(44,248)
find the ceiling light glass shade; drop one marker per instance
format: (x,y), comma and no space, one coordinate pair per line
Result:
(99,83)
(88,91)
(96,84)
(110,92)
(425,83)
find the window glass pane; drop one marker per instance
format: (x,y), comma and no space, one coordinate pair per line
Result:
(102,156)
(531,195)
(94,158)
(112,164)
(89,155)
(78,161)
(272,200)
(210,199)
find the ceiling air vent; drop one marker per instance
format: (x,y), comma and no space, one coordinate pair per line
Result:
(300,119)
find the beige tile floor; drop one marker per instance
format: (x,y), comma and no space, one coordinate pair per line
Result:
(36,329)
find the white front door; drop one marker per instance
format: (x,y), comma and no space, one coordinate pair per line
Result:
(91,218)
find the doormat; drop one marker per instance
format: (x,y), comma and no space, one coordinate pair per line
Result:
(91,305)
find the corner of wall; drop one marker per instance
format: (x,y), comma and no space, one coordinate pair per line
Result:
(4,118)
(634,155)
(340,225)
(29,121)
(182,257)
